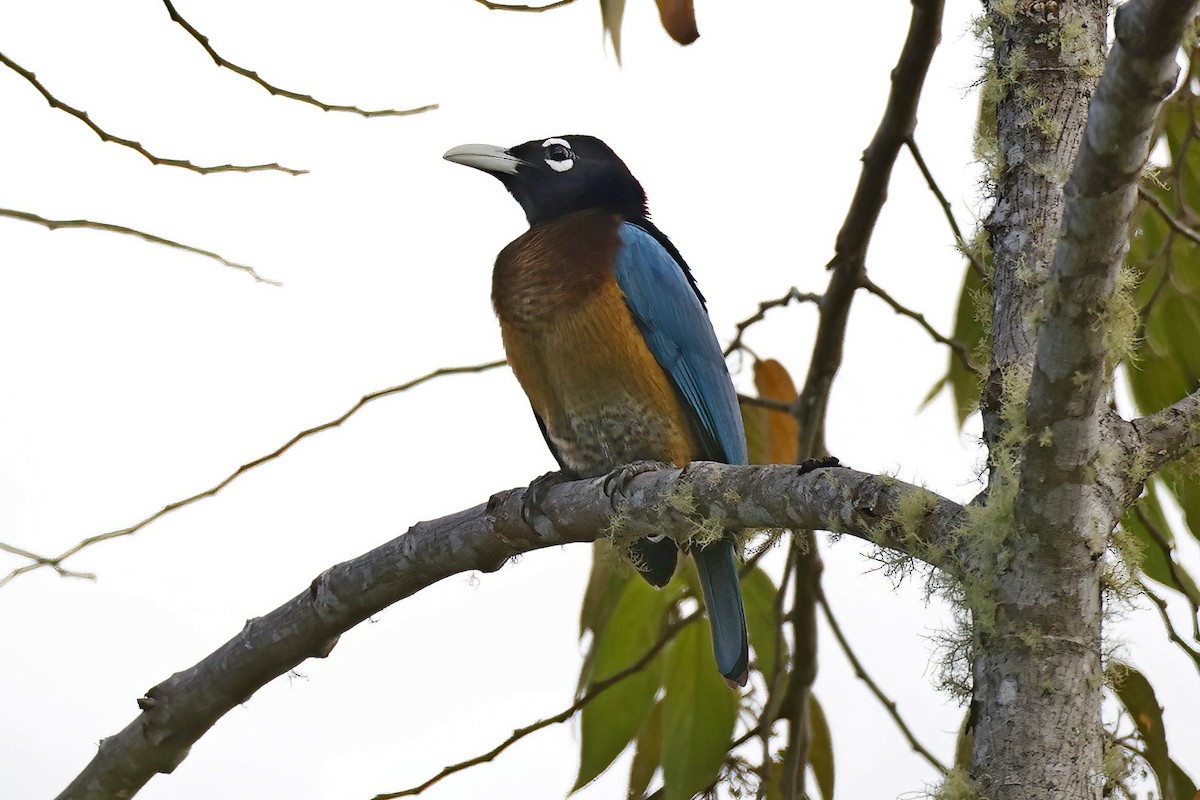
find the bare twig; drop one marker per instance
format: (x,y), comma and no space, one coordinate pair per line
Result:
(1173,222)
(596,689)
(137,147)
(888,703)
(966,249)
(1168,553)
(56,561)
(516,7)
(793,295)
(1172,633)
(42,561)
(275,90)
(54,224)
(960,350)
(764,402)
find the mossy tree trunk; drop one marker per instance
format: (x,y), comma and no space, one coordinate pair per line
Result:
(1061,469)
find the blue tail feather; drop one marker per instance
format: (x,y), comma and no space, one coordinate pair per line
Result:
(723,600)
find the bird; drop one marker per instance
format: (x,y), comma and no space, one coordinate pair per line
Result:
(608,334)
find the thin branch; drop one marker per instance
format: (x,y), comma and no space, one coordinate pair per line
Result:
(764,402)
(795,705)
(793,295)
(1168,553)
(42,561)
(56,561)
(1172,633)
(888,703)
(137,147)
(1173,222)
(596,689)
(513,7)
(55,224)
(960,351)
(775,684)
(964,248)
(275,90)
(178,711)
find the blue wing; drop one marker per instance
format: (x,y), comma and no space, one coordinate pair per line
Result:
(671,318)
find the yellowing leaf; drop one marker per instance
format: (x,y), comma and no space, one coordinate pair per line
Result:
(783,433)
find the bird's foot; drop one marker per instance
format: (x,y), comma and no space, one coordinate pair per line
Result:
(616,481)
(535,494)
(810,464)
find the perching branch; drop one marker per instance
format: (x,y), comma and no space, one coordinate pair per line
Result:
(137,147)
(55,224)
(275,90)
(56,561)
(178,711)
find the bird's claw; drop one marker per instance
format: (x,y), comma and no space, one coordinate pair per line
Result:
(616,481)
(810,464)
(531,504)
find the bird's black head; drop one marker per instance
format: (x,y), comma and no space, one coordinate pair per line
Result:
(554,177)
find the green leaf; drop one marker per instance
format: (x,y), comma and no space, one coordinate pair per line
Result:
(647,754)
(1146,521)
(762,621)
(609,722)
(964,742)
(820,748)
(964,385)
(1165,363)
(699,712)
(1137,695)
(607,579)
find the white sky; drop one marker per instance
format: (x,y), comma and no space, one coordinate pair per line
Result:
(135,375)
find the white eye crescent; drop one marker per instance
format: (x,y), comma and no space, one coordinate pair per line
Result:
(558,154)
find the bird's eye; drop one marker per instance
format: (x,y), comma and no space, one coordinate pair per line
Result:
(558,155)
